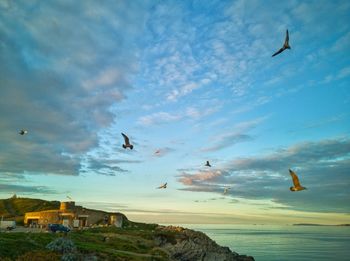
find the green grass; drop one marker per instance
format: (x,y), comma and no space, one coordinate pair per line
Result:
(13,245)
(15,208)
(131,244)
(134,242)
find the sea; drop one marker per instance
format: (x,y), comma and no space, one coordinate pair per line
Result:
(282,243)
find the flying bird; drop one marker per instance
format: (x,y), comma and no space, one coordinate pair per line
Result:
(23,132)
(163,186)
(207,164)
(226,190)
(157,152)
(297,186)
(69,197)
(127,142)
(285,45)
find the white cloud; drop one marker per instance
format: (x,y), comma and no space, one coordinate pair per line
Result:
(62,69)
(194,113)
(342,73)
(158,118)
(345,72)
(184,90)
(237,135)
(342,44)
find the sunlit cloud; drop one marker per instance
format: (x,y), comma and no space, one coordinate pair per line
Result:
(322,167)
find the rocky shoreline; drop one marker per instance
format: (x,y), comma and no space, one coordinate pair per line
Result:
(188,245)
(130,241)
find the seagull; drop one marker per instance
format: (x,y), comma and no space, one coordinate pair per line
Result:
(226,189)
(69,197)
(157,152)
(23,132)
(297,186)
(207,164)
(163,186)
(127,142)
(285,45)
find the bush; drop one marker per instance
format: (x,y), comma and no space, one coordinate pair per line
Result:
(69,257)
(62,245)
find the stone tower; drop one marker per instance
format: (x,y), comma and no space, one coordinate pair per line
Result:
(67,205)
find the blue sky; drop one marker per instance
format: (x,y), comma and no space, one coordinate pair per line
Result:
(193,80)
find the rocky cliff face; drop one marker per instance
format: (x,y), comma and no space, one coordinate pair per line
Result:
(189,245)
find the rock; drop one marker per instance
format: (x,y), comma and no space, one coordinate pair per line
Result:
(188,245)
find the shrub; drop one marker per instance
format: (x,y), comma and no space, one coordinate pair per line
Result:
(62,245)
(69,257)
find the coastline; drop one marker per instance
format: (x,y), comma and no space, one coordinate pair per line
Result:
(102,239)
(136,241)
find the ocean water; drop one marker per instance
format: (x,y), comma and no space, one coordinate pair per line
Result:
(282,243)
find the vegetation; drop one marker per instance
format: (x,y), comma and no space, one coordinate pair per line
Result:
(41,255)
(15,207)
(135,242)
(62,245)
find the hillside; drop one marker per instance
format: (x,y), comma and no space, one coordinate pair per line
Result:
(16,207)
(133,242)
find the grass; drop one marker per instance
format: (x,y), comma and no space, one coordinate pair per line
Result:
(133,243)
(15,208)
(13,245)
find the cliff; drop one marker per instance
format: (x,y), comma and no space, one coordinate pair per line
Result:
(186,245)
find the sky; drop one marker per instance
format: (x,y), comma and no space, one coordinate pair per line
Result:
(193,80)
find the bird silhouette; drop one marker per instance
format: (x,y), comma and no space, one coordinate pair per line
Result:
(23,132)
(69,198)
(285,45)
(297,186)
(226,190)
(163,186)
(127,142)
(207,164)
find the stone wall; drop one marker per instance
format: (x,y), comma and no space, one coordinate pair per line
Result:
(69,212)
(42,217)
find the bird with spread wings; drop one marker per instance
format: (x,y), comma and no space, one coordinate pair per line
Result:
(207,164)
(23,132)
(164,186)
(285,45)
(127,142)
(297,186)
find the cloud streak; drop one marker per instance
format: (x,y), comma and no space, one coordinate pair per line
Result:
(322,167)
(191,112)
(231,138)
(11,188)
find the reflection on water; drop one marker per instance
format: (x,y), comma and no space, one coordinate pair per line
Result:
(265,242)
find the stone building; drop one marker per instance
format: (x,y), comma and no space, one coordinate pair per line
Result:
(73,216)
